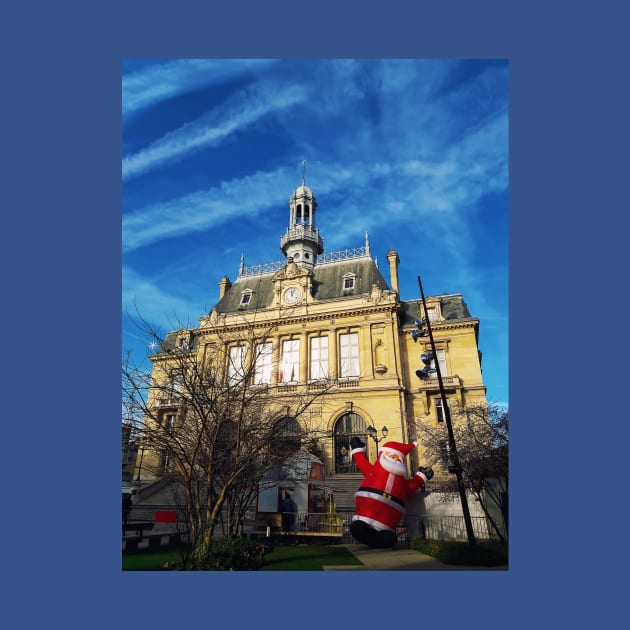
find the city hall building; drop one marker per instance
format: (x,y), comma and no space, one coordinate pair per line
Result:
(336,320)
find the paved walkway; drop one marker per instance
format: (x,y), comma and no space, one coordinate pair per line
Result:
(400,559)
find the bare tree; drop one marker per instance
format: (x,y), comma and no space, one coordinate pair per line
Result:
(212,422)
(481,434)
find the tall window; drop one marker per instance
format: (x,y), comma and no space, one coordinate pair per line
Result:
(262,369)
(176,385)
(169,423)
(236,365)
(440,409)
(319,357)
(290,361)
(441,357)
(445,453)
(349,355)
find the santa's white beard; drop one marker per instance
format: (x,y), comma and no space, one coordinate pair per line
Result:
(392,466)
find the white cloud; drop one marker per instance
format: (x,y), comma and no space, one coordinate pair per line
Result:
(204,209)
(210,130)
(161,81)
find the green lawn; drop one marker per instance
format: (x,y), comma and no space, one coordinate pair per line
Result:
(282,558)
(307,558)
(149,560)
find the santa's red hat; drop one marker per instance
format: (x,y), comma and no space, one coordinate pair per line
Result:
(397,447)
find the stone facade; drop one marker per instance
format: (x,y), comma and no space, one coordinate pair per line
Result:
(346,325)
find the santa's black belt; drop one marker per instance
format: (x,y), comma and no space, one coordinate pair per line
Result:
(383,494)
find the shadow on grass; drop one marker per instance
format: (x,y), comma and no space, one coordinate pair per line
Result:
(307,558)
(282,558)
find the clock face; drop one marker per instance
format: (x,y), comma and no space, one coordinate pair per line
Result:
(291,295)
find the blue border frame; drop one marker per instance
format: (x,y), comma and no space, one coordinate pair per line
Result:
(63,193)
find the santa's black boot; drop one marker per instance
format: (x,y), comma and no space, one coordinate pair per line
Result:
(361,532)
(387,539)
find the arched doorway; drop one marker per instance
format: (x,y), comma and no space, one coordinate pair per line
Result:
(348,426)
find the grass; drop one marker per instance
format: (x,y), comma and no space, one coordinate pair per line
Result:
(314,557)
(149,560)
(282,558)
(482,554)
(307,558)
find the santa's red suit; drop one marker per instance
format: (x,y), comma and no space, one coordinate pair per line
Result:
(380,499)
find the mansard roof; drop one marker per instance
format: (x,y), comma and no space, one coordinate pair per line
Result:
(327,284)
(452,306)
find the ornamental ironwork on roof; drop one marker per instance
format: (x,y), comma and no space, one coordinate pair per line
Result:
(272,267)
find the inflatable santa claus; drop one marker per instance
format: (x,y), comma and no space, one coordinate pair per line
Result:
(380,499)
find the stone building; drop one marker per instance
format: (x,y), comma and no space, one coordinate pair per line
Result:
(335,321)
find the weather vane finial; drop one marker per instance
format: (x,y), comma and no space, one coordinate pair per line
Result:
(303,170)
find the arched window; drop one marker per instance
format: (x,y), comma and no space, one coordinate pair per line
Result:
(348,426)
(298,214)
(286,437)
(307,217)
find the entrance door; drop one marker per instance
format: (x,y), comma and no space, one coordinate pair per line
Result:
(348,426)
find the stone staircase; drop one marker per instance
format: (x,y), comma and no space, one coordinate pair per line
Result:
(344,486)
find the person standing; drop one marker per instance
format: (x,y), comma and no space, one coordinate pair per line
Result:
(288,509)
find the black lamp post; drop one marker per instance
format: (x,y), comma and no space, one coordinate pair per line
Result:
(140,464)
(373,433)
(456,468)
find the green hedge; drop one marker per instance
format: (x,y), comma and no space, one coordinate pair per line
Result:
(234,554)
(483,554)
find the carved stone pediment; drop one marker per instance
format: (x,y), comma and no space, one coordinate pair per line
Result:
(291,271)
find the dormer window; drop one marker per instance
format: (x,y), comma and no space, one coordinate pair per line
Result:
(246,297)
(432,314)
(349,281)
(182,344)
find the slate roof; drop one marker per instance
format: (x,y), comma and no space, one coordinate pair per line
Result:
(453,309)
(327,284)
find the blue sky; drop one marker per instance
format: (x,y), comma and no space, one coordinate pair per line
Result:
(413,151)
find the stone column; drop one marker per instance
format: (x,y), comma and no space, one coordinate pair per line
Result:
(332,353)
(304,357)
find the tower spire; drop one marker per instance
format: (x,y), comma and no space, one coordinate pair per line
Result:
(302,241)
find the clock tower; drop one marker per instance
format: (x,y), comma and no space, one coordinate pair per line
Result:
(302,241)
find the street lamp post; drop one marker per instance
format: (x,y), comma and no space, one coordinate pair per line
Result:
(373,433)
(456,468)
(140,464)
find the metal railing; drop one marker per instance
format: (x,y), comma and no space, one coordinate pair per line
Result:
(336,524)
(343,254)
(276,265)
(454,528)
